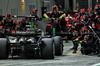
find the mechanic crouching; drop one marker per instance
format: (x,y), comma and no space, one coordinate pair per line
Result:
(78,23)
(84,38)
(75,30)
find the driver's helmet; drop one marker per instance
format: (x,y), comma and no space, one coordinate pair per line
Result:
(54,9)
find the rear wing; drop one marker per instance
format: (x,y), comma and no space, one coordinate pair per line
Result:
(23,33)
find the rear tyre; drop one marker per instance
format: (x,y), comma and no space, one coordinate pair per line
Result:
(3,48)
(47,49)
(58,45)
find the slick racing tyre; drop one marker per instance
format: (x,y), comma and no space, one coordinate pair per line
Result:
(58,45)
(3,48)
(47,49)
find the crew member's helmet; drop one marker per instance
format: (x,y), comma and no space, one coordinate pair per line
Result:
(8,16)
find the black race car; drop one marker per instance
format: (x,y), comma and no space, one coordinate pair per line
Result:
(29,44)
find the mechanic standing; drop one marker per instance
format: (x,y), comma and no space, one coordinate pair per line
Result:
(63,23)
(57,15)
(35,13)
(84,39)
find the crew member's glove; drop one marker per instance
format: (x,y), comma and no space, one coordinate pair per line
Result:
(80,42)
(46,16)
(76,40)
(62,16)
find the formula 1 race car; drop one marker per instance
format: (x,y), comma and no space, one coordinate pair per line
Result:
(57,39)
(29,44)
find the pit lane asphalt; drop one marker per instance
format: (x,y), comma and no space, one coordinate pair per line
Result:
(67,59)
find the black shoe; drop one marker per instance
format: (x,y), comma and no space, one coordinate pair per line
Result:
(74,51)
